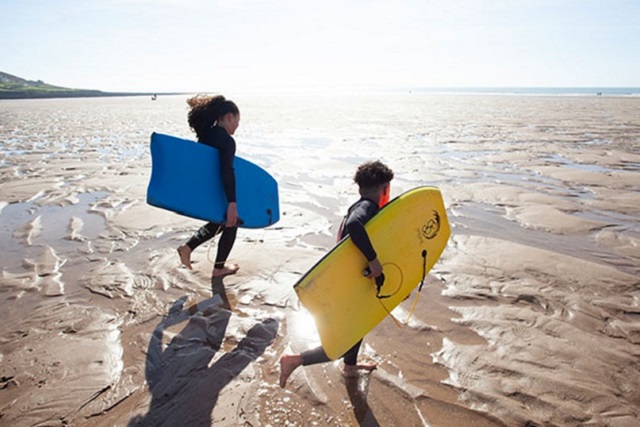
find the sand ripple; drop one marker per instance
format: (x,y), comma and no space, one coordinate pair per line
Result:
(530,318)
(68,352)
(539,349)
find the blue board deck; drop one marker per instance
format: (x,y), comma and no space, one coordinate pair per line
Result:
(186,179)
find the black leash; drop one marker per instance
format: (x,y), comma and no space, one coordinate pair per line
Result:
(380,283)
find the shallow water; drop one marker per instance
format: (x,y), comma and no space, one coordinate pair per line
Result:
(531,316)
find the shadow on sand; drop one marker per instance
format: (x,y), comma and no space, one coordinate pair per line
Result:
(183,382)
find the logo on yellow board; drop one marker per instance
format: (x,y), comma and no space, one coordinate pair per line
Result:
(430,228)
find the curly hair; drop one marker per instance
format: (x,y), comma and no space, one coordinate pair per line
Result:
(373,174)
(206,110)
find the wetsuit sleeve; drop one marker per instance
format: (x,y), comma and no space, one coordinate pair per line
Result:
(354,226)
(227,154)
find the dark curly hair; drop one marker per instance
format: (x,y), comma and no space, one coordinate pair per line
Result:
(206,110)
(371,175)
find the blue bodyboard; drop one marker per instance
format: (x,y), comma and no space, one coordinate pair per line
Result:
(186,179)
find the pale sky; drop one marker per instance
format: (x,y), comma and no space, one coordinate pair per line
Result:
(214,45)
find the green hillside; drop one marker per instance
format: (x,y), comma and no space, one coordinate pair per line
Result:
(13,87)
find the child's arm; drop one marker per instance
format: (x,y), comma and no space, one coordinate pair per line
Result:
(227,155)
(355,227)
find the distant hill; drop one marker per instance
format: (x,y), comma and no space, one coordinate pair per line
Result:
(13,87)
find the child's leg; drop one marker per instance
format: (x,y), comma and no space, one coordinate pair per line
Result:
(351,365)
(227,239)
(206,232)
(289,363)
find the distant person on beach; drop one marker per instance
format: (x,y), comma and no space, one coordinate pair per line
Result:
(373,179)
(215,119)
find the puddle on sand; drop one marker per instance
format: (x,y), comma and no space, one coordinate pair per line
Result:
(33,235)
(54,220)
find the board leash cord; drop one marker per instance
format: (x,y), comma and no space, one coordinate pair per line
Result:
(398,323)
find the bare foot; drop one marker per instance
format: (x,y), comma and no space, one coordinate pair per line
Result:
(352,370)
(184,252)
(288,364)
(226,270)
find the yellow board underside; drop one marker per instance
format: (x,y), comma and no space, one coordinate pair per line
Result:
(343,301)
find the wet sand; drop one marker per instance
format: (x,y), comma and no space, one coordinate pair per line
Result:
(531,317)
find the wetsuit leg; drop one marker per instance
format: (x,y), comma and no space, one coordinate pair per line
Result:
(351,356)
(227,239)
(206,232)
(315,356)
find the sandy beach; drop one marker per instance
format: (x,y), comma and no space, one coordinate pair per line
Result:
(530,318)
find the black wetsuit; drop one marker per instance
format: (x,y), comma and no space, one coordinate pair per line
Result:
(220,139)
(358,215)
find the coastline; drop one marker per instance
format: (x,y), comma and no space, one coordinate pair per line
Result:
(556,92)
(7,95)
(14,87)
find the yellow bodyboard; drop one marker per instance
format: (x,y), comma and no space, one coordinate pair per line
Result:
(409,234)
